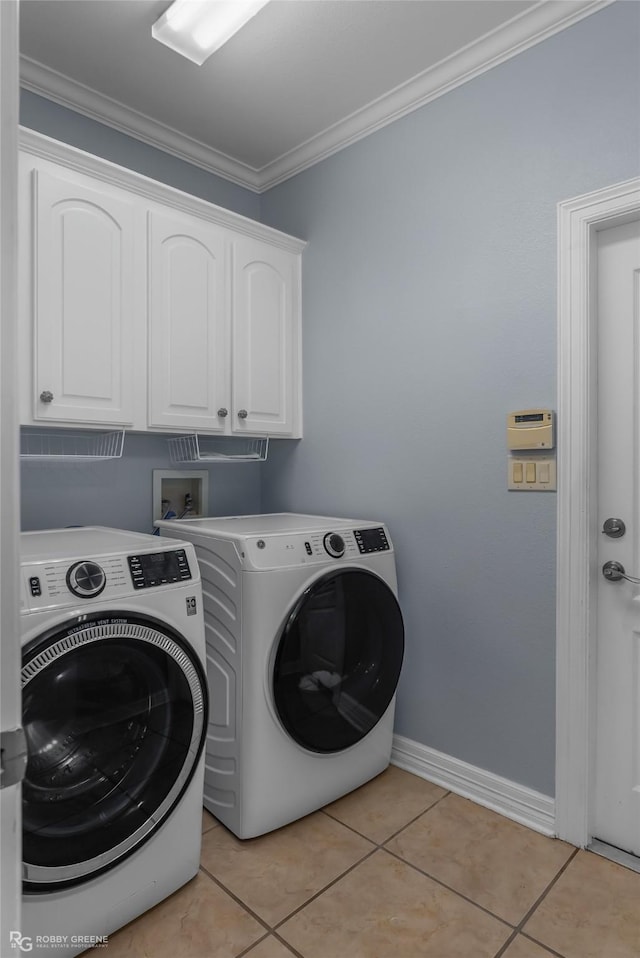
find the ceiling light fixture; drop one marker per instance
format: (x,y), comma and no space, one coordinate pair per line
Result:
(197,28)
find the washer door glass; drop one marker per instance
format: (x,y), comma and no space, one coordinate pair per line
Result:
(114,711)
(338,660)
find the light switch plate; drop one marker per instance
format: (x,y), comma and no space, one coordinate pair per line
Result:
(544,471)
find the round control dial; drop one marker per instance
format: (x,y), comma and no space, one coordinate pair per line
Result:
(334,544)
(86,579)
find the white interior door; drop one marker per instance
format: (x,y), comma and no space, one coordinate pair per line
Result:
(616,811)
(10,706)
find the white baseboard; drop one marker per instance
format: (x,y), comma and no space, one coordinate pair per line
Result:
(521,804)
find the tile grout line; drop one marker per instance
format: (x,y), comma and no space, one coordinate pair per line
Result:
(442,884)
(272,929)
(329,885)
(536,904)
(253,944)
(552,951)
(294,952)
(237,900)
(269,929)
(541,944)
(393,834)
(378,846)
(283,941)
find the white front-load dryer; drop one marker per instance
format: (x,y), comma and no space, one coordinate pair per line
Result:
(115,705)
(305,642)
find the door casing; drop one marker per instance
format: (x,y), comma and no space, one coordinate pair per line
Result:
(579,220)
(10,705)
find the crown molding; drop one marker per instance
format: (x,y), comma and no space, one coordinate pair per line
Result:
(48,83)
(524,31)
(529,28)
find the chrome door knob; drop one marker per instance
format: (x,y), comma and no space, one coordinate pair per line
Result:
(46,396)
(242,414)
(222,412)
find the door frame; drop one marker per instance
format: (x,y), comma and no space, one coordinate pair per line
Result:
(10,704)
(579,220)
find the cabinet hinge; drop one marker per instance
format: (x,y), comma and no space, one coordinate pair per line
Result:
(13,756)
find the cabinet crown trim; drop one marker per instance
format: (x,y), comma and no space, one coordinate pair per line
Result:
(37,144)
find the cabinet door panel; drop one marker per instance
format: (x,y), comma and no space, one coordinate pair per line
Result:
(188,328)
(83,303)
(264,344)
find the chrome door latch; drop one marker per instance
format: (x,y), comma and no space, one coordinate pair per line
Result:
(614,571)
(13,756)
(614,528)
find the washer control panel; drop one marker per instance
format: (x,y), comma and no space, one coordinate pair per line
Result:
(51,583)
(158,568)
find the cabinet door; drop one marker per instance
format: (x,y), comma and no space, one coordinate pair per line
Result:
(188,324)
(266,365)
(83,301)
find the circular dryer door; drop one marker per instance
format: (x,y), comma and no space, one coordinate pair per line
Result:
(338,660)
(114,711)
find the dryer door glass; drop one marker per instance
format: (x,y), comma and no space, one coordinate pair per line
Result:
(114,714)
(338,660)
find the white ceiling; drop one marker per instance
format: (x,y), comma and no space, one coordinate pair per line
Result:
(303,79)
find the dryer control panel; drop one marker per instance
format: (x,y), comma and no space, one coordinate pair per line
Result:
(280,551)
(371,540)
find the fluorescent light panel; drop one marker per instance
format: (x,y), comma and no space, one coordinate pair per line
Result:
(197,28)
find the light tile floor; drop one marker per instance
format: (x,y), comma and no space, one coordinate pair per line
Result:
(399,868)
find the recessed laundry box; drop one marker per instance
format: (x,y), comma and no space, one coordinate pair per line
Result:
(305,641)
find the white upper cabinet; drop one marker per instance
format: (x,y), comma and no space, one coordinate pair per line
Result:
(148,308)
(83,302)
(188,324)
(265,341)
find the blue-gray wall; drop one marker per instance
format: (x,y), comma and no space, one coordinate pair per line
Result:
(429,288)
(119,493)
(429,312)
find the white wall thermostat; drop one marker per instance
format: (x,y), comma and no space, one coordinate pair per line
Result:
(530,441)
(530,429)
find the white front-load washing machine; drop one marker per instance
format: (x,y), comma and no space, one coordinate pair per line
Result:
(114,710)
(305,641)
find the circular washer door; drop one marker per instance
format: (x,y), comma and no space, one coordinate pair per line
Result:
(114,711)
(338,660)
